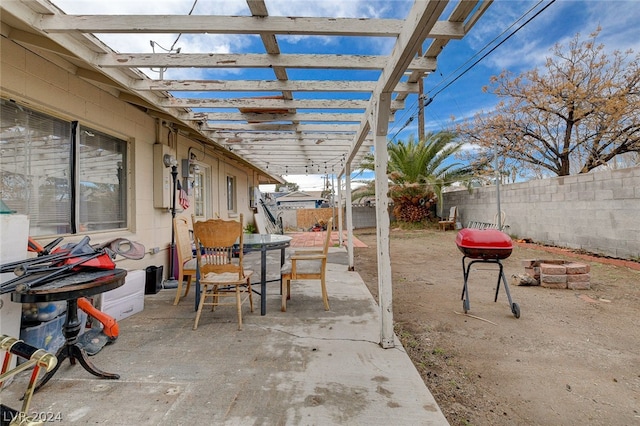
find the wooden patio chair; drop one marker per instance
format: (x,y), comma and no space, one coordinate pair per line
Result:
(451,220)
(307,265)
(221,276)
(186,260)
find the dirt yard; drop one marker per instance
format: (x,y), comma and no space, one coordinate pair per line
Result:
(572,358)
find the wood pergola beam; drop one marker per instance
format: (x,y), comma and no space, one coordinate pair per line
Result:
(212,24)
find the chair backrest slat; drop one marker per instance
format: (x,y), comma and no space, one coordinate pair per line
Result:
(327,239)
(217,240)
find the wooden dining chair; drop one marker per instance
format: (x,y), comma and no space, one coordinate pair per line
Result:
(307,265)
(186,260)
(221,275)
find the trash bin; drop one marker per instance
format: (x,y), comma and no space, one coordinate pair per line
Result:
(153,280)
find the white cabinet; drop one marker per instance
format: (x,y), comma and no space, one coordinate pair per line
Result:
(126,300)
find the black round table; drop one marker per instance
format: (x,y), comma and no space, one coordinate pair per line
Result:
(70,288)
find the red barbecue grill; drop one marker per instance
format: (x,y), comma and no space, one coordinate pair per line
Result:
(485,246)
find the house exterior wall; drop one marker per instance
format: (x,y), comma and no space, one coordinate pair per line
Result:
(597,212)
(51,87)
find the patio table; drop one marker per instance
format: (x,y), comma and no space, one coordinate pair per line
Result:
(70,289)
(262,243)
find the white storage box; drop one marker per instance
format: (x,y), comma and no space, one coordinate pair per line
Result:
(126,300)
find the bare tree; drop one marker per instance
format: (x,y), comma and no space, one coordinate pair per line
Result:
(580,112)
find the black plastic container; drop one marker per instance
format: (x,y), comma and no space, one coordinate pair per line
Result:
(153,281)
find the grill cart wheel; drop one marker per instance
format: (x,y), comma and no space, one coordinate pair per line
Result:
(515,309)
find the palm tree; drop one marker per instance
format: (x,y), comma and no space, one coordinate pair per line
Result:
(418,172)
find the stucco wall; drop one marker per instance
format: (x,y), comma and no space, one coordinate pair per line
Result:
(54,89)
(598,212)
(33,81)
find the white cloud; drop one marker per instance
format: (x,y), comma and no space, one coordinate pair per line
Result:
(151,7)
(307,182)
(338,8)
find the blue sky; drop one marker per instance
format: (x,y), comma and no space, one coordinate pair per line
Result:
(463,98)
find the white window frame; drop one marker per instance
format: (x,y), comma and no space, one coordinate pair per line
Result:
(201,183)
(231,189)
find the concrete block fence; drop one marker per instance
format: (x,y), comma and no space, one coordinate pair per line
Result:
(598,212)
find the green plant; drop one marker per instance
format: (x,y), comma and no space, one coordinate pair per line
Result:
(418,172)
(250,228)
(437,351)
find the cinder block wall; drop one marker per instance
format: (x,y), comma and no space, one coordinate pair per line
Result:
(598,212)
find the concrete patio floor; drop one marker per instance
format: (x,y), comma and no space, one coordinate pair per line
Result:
(306,366)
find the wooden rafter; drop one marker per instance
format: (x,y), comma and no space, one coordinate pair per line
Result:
(281,118)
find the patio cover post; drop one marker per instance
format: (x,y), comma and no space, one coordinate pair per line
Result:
(385,298)
(349,213)
(338,204)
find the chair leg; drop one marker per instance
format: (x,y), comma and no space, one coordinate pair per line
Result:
(239,306)
(178,292)
(186,292)
(215,297)
(200,305)
(250,293)
(325,297)
(285,292)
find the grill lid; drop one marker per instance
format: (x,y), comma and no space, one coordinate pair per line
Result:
(484,243)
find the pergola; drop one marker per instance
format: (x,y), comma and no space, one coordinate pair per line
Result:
(283,125)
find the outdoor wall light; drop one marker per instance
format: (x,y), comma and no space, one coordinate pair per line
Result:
(169,160)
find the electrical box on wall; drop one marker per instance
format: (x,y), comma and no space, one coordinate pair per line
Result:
(161,178)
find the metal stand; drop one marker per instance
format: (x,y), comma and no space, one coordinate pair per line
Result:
(515,309)
(172,282)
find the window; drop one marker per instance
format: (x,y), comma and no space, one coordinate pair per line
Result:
(102,181)
(231,194)
(199,193)
(67,178)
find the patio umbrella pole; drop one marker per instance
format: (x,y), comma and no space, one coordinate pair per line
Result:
(172,282)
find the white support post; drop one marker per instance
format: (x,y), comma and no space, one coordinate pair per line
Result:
(339,191)
(385,293)
(349,213)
